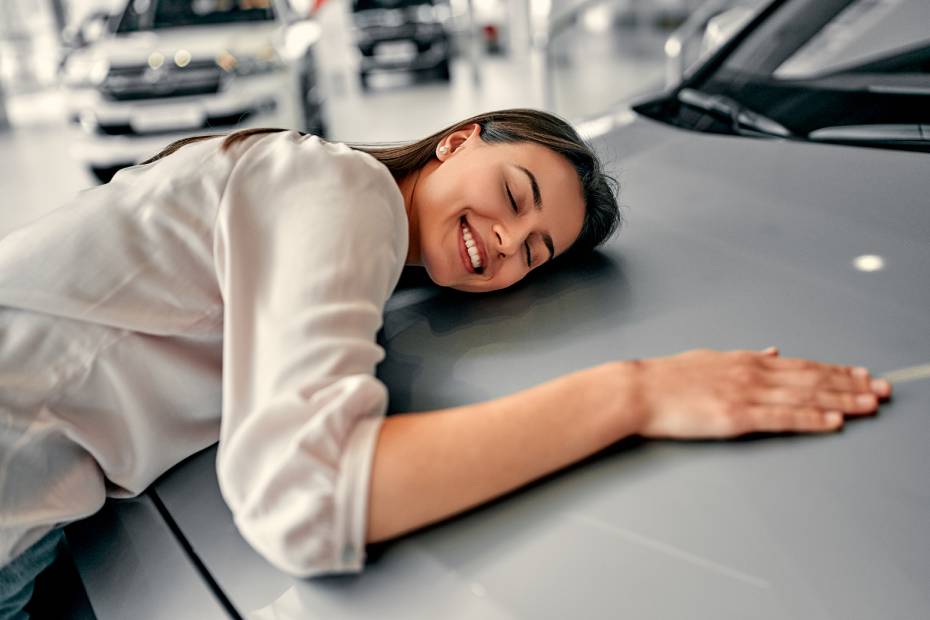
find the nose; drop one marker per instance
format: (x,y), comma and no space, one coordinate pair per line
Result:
(508,241)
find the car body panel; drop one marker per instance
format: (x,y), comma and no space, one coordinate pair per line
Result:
(124,552)
(730,243)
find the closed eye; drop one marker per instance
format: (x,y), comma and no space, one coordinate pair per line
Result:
(513,203)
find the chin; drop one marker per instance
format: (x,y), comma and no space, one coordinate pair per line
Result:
(437,275)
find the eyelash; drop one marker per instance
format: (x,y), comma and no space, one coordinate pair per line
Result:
(513,203)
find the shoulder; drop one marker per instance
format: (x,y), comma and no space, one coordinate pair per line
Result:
(291,184)
(330,173)
(308,158)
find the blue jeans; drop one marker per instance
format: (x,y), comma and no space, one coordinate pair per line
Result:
(17,579)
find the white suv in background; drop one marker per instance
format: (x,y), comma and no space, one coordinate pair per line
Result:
(167,69)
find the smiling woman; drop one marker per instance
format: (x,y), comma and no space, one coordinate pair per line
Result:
(476,171)
(477,211)
(231,289)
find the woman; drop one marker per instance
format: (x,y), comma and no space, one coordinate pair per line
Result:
(232,289)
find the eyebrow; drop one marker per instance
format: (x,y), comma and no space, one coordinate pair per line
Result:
(537,203)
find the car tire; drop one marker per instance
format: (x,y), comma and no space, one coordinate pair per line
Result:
(443,71)
(104,173)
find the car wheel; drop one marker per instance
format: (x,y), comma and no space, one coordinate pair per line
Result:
(443,71)
(104,173)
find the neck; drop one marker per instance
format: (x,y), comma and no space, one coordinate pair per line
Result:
(408,186)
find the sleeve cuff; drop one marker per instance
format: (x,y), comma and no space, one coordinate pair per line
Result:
(351,501)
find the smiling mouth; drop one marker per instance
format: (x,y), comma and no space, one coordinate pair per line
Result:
(472,256)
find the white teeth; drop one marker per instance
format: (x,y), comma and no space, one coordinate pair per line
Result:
(470,246)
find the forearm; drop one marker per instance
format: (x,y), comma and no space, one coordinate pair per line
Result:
(432,465)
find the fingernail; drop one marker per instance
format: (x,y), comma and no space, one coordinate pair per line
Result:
(834,417)
(865,400)
(861,372)
(880,385)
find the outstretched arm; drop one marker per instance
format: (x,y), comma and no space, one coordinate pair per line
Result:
(433,465)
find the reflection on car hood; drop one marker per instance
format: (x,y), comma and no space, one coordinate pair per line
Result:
(202,42)
(729,243)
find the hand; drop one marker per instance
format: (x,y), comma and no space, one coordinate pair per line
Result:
(713,394)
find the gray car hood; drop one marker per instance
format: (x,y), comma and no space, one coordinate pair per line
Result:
(730,243)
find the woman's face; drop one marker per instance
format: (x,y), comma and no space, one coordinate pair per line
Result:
(482,216)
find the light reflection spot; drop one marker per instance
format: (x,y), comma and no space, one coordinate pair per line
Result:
(869,262)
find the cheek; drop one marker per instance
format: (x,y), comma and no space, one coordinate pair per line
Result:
(506,277)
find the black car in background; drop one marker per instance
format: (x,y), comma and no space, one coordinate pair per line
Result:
(406,35)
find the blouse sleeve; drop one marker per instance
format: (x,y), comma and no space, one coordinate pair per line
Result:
(309,242)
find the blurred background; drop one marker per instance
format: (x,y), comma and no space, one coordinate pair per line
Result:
(89,86)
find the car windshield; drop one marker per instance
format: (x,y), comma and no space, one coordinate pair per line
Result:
(156,14)
(844,70)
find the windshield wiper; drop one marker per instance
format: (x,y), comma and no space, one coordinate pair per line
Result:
(913,137)
(744,121)
(907,132)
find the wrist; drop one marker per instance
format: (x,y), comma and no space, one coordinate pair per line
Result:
(628,412)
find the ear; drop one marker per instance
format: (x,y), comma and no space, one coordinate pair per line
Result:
(455,140)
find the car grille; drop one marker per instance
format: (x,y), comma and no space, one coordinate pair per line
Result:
(213,122)
(380,33)
(141,82)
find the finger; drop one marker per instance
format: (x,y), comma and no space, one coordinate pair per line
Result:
(837,381)
(800,363)
(773,351)
(825,400)
(880,387)
(865,383)
(775,419)
(862,378)
(788,363)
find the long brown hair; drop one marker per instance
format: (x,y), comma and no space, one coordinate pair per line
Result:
(599,189)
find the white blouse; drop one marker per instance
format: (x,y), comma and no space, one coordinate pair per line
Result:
(206,296)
